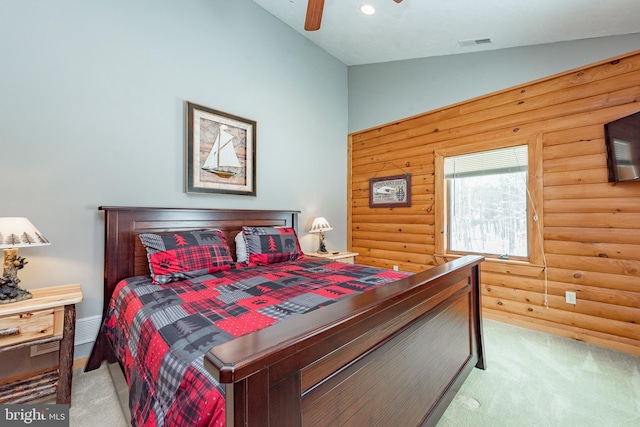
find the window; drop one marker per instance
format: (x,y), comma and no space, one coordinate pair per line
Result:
(486,202)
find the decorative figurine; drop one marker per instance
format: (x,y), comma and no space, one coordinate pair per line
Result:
(9,289)
(323,248)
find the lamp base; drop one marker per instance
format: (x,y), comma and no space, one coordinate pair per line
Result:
(9,289)
(322,249)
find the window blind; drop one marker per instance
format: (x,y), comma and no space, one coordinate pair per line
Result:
(622,151)
(503,160)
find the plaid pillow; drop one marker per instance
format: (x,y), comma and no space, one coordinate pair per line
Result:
(269,245)
(186,254)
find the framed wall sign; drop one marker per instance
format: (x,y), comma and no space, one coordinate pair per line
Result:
(390,191)
(221,152)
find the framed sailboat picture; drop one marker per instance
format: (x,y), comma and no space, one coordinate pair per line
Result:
(221,152)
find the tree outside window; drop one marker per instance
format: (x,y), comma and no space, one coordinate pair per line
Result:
(487,202)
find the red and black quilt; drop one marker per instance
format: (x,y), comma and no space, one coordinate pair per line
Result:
(161,332)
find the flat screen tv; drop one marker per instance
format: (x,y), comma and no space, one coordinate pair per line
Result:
(622,138)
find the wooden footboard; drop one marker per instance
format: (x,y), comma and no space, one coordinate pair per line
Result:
(392,356)
(395,355)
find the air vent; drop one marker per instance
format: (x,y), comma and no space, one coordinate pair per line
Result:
(87,329)
(38,349)
(473,42)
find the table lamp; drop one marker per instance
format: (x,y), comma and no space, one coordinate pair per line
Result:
(320,225)
(16,233)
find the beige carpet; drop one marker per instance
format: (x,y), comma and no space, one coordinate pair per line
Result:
(533,380)
(94,401)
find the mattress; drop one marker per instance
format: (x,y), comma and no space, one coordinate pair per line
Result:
(160,332)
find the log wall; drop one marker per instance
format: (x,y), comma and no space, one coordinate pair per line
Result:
(589,228)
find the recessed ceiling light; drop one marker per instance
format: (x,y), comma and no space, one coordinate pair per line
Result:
(367,9)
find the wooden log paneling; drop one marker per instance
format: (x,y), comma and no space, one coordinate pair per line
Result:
(593,279)
(615,328)
(569,149)
(589,229)
(394,237)
(514,269)
(614,297)
(411,248)
(593,220)
(395,228)
(602,265)
(602,250)
(588,176)
(592,308)
(565,136)
(594,235)
(577,163)
(599,191)
(587,205)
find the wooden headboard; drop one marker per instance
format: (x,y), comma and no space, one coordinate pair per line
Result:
(124,255)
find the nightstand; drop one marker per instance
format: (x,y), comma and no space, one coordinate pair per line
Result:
(345,257)
(50,315)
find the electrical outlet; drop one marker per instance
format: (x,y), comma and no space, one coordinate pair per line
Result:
(395,268)
(570,297)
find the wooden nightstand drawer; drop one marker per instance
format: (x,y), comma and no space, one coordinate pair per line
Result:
(17,328)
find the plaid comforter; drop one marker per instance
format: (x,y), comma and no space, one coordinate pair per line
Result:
(161,332)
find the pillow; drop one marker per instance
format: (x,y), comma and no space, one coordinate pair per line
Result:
(269,245)
(186,254)
(241,248)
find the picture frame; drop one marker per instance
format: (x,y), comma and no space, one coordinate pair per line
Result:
(221,152)
(390,191)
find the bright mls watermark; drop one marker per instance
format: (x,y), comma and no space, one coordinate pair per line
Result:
(34,415)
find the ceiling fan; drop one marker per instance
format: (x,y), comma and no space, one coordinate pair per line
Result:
(314,14)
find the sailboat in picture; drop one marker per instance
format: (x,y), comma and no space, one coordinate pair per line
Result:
(222,156)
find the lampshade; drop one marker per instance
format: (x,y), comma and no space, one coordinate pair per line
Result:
(19,233)
(320,224)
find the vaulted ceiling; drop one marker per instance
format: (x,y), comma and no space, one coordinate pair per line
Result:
(423,28)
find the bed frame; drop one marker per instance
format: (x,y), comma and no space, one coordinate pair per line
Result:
(395,355)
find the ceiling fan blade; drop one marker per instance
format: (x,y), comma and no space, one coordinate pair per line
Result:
(314,15)
(398,1)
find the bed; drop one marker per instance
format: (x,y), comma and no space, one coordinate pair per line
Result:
(394,355)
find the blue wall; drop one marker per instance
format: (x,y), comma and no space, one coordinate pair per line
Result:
(92,113)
